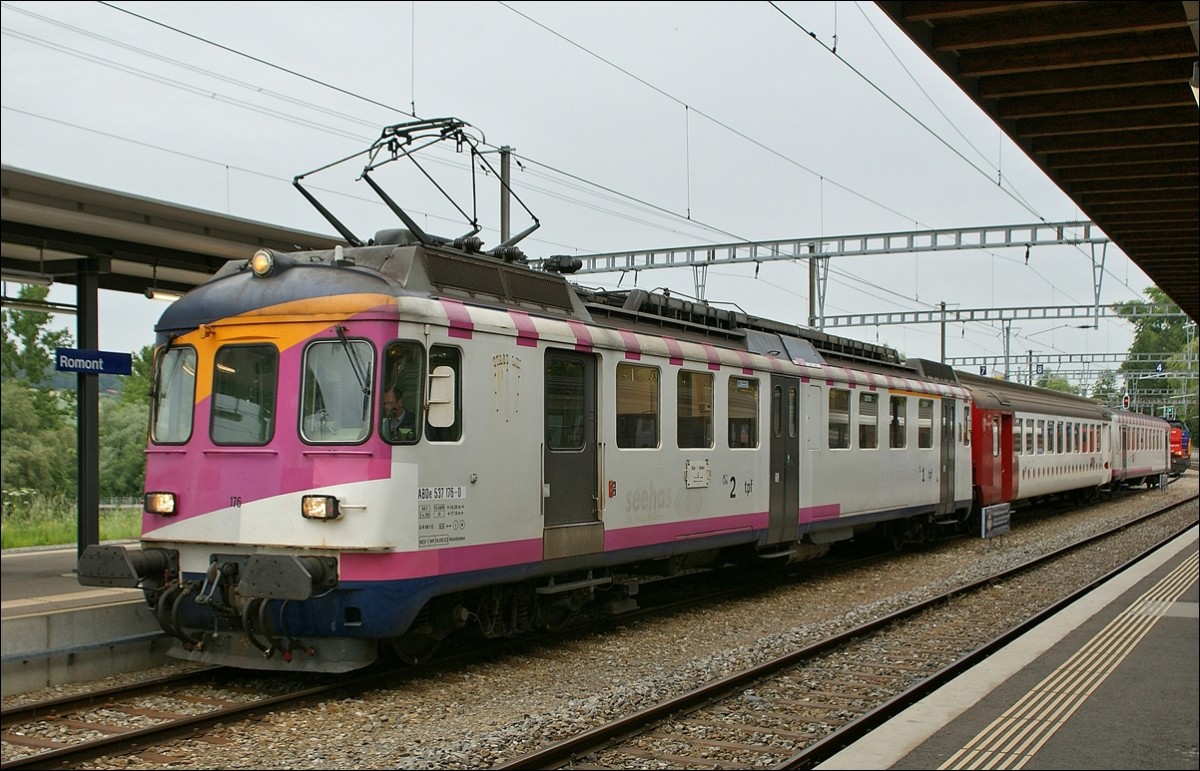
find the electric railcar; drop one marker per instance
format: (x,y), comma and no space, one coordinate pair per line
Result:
(1181,451)
(566,445)
(556,447)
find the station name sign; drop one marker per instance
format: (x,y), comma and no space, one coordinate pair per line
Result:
(93,362)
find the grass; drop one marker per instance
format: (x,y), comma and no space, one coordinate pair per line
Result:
(38,520)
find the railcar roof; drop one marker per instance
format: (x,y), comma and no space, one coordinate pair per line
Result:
(990,393)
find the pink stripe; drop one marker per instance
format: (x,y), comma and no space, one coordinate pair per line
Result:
(583,335)
(714,358)
(747,364)
(527,334)
(435,562)
(460,321)
(631,537)
(357,566)
(674,349)
(816,513)
(633,349)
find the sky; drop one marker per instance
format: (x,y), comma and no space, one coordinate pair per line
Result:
(635,126)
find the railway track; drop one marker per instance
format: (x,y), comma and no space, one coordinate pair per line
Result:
(801,708)
(146,719)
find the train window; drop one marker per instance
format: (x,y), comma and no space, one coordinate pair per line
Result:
(566,402)
(995,436)
(897,420)
(1018,432)
(743,412)
(173,396)
(793,412)
(444,362)
(966,426)
(777,411)
(1029,436)
(243,395)
(868,421)
(637,405)
(335,400)
(1059,437)
(694,400)
(925,423)
(1041,437)
(402,394)
(839,418)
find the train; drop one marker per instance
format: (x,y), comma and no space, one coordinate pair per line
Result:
(560,446)
(1181,446)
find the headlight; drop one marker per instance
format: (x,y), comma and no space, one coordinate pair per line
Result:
(319,507)
(262,263)
(162,504)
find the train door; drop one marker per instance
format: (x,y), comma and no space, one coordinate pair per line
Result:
(1124,453)
(1006,456)
(948,451)
(785,459)
(570,496)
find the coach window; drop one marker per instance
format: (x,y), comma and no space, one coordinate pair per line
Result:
(1059,437)
(966,426)
(995,436)
(793,413)
(1029,436)
(335,401)
(173,396)
(243,394)
(637,405)
(402,392)
(743,412)
(897,419)
(443,418)
(839,418)
(694,397)
(1041,437)
(1018,431)
(925,423)
(868,421)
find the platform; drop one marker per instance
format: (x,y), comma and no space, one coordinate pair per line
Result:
(1111,681)
(56,631)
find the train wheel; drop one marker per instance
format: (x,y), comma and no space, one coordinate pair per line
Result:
(415,649)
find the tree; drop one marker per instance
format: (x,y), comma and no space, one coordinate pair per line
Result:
(26,345)
(1056,383)
(123,427)
(136,386)
(1105,390)
(1173,336)
(36,457)
(1153,334)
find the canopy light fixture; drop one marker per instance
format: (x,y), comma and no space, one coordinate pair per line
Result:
(26,277)
(166,295)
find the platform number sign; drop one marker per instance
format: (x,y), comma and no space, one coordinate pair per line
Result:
(1158,367)
(982,369)
(1040,368)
